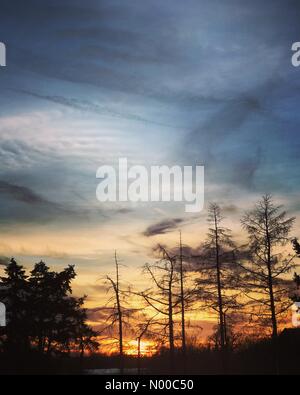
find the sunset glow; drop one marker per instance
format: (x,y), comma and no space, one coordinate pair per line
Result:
(149,184)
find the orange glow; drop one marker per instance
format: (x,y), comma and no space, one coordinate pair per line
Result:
(148,348)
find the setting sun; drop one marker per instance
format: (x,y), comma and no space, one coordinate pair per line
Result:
(147,348)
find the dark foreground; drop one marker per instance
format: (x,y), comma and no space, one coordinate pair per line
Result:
(263,358)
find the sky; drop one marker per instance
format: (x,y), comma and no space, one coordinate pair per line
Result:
(157,82)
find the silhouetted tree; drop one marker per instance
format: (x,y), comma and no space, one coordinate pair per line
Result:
(182,298)
(295,296)
(117,315)
(86,337)
(51,305)
(268,229)
(164,297)
(14,292)
(297,280)
(218,279)
(142,330)
(296,246)
(42,312)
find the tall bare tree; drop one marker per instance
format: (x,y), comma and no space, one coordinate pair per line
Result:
(163,296)
(143,330)
(182,298)
(268,229)
(218,273)
(118,313)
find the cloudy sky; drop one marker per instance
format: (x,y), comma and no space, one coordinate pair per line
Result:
(158,82)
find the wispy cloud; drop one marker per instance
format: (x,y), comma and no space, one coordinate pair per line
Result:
(163,227)
(22,194)
(85,105)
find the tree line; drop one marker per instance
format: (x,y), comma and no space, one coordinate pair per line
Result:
(42,314)
(247,286)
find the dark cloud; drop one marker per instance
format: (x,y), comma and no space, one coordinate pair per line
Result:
(163,227)
(124,210)
(22,194)
(224,122)
(4,261)
(245,168)
(230,209)
(231,151)
(20,204)
(100,314)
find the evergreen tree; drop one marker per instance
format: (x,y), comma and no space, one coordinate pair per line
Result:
(14,293)
(268,229)
(42,313)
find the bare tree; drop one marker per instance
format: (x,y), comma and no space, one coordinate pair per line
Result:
(218,272)
(163,297)
(182,298)
(268,229)
(143,330)
(118,313)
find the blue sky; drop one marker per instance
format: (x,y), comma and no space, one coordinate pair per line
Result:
(159,82)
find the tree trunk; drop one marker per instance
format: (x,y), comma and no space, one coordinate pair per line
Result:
(219,286)
(171,323)
(119,318)
(171,326)
(270,282)
(182,303)
(139,356)
(272,301)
